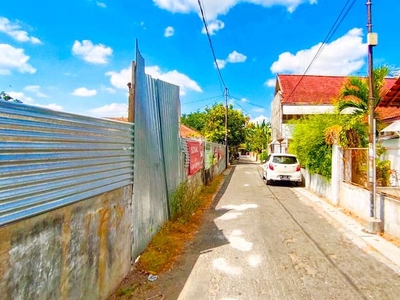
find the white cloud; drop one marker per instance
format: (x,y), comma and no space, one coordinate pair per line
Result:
(35,89)
(21,96)
(84,92)
(215,8)
(14,30)
(341,57)
(169,31)
(111,110)
(236,57)
(95,54)
(270,82)
(183,81)
(244,100)
(51,106)
(14,58)
(101,4)
(259,109)
(120,79)
(260,119)
(108,90)
(30,101)
(233,58)
(221,63)
(213,27)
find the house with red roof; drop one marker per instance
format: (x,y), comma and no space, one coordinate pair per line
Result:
(299,95)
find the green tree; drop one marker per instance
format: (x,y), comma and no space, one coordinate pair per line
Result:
(7,97)
(258,136)
(355,92)
(314,135)
(214,129)
(195,120)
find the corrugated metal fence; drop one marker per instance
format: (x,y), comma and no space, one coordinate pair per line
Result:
(157,148)
(49,159)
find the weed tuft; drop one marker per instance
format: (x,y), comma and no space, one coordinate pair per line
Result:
(188,205)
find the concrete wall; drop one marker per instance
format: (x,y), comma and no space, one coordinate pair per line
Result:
(393,154)
(81,251)
(390,215)
(276,116)
(318,184)
(387,208)
(355,199)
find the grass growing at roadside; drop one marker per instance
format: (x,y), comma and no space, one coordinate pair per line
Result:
(187,209)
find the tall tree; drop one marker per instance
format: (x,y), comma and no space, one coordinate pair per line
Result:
(354,95)
(195,120)
(214,129)
(258,136)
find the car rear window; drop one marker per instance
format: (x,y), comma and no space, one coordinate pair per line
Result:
(286,160)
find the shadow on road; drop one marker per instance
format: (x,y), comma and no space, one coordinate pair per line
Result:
(207,239)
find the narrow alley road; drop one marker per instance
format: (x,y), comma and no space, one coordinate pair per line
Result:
(262,242)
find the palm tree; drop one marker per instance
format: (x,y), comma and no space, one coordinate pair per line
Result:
(354,96)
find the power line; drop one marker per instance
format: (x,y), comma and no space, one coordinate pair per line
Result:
(343,14)
(201,100)
(213,102)
(211,45)
(241,107)
(248,102)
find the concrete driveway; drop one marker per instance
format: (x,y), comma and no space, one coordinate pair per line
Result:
(264,242)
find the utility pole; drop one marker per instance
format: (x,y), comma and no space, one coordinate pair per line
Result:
(131,98)
(372,41)
(226,127)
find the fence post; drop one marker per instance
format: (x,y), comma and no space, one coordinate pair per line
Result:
(337,173)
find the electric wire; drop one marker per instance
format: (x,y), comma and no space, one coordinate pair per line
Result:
(211,45)
(201,100)
(210,103)
(343,14)
(235,102)
(248,102)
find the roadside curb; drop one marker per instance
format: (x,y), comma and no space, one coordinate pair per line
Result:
(355,231)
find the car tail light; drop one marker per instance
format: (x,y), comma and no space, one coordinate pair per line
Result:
(271,166)
(298,168)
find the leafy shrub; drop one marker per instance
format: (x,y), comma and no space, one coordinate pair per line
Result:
(383,172)
(184,201)
(263,156)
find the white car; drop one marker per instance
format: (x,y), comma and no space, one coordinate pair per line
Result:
(282,167)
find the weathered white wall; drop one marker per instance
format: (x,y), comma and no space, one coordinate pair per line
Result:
(301,109)
(393,154)
(391,216)
(318,184)
(355,199)
(276,116)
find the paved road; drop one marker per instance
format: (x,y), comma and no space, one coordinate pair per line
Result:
(264,243)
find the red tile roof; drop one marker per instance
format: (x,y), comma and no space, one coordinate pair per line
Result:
(314,89)
(392,97)
(188,132)
(310,89)
(388,114)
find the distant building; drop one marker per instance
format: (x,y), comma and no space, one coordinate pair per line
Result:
(299,95)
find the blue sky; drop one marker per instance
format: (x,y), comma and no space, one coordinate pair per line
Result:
(75,55)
